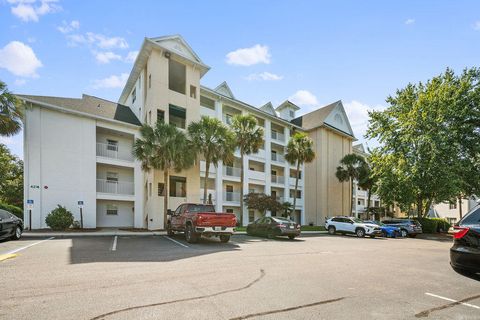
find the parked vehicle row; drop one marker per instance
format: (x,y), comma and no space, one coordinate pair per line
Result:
(10,226)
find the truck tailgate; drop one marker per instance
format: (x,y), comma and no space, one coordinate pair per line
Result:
(216,219)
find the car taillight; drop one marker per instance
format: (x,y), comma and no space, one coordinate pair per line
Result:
(460,232)
(298,226)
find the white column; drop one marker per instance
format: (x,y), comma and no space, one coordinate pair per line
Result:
(302,213)
(244,210)
(219,173)
(268,160)
(139,216)
(355,195)
(287,170)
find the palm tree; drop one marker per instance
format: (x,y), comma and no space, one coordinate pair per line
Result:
(165,148)
(10,112)
(249,139)
(299,151)
(367,181)
(214,141)
(350,169)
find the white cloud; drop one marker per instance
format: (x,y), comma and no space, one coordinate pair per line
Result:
(19,59)
(249,56)
(131,56)
(476,25)
(69,27)
(98,40)
(303,98)
(357,113)
(409,21)
(267,76)
(113,81)
(19,82)
(31,10)
(106,57)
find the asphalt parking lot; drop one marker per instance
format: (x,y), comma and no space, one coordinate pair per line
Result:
(156,277)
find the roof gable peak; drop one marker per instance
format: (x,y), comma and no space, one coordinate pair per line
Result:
(224,89)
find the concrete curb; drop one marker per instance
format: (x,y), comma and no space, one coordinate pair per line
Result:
(117,233)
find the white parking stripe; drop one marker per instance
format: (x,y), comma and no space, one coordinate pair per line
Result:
(30,245)
(114,244)
(451,300)
(179,243)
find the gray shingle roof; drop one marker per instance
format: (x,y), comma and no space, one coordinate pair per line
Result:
(91,105)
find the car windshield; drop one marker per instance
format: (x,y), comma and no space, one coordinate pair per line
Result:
(201,208)
(472,218)
(357,220)
(282,220)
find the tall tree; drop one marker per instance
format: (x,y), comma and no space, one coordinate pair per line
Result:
(214,141)
(350,168)
(249,139)
(163,147)
(299,151)
(367,181)
(429,140)
(11,178)
(10,112)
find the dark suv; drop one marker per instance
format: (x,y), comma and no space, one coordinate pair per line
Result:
(10,226)
(465,253)
(408,227)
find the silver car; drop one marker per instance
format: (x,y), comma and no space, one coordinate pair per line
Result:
(408,227)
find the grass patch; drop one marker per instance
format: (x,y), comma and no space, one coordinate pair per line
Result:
(241,229)
(312,228)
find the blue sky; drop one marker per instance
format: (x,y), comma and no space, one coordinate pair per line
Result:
(312,52)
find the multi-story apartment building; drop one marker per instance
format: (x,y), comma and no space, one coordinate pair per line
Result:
(81,149)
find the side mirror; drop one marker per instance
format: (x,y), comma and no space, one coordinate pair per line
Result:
(169,212)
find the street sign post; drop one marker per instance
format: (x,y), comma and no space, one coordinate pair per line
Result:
(30,205)
(80,205)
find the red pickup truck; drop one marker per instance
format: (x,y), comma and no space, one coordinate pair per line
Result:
(196,220)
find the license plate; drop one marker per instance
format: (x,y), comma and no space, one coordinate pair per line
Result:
(217,228)
(291,227)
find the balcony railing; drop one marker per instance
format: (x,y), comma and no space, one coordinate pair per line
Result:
(231,196)
(278,157)
(278,179)
(277,136)
(209,191)
(115,187)
(114,152)
(231,171)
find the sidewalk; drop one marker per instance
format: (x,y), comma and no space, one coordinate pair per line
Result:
(113,232)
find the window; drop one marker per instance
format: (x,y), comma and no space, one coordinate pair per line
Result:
(251,190)
(160,115)
(178,186)
(112,145)
(229,210)
(4,214)
(134,95)
(161,189)
(274,155)
(150,81)
(206,102)
(193,92)
(252,168)
(229,193)
(293,174)
(112,177)
(112,210)
(177,76)
(377,203)
(299,193)
(150,117)
(472,218)
(228,118)
(177,116)
(452,205)
(150,189)
(274,213)
(292,113)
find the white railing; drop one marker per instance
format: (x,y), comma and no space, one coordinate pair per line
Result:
(292,181)
(281,199)
(209,191)
(115,187)
(257,175)
(278,157)
(278,179)
(231,196)
(203,167)
(231,171)
(260,154)
(277,136)
(114,152)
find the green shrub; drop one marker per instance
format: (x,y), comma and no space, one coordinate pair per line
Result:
(12,209)
(428,225)
(59,219)
(442,224)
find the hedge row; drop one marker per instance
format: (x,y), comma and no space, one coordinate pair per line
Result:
(12,209)
(434,225)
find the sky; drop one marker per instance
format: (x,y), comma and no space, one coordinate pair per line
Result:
(310,52)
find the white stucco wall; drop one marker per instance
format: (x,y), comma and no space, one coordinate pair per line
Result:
(125,217)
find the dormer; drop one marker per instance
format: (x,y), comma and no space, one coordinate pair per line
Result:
(268,108)
(287,110)
(224,89)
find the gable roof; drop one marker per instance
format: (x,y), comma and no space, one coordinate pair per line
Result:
(175,45)
(332,116)
(268,107)
(91,105)
(224,89)
(287,104)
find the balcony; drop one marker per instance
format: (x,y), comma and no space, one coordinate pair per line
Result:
(209,191)
(292,181)
(231,171)
(278,157)
(109,151)
(231,196)
(278,137)
(259,155)
(278,179)
(115,187)
(256,175)
(203,168)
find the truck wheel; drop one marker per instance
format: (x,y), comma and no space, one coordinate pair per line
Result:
(191,235)
(169,230)
(17,234)
(224,238)
(360,233)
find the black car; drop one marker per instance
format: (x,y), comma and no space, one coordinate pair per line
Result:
(274,226)
(465,253)
(408,227)
(10,226)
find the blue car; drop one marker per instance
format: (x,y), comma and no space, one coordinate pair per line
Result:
(387,231)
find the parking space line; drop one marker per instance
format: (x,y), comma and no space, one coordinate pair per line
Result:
(114,244)
(451,300)
(177,242)
(30,245)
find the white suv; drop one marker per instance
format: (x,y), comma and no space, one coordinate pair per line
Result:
(352,225)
